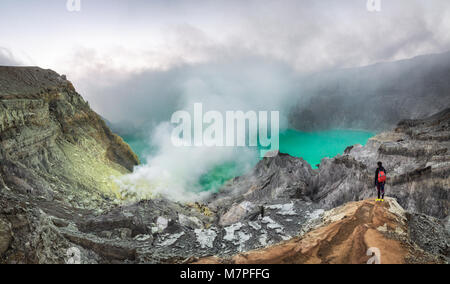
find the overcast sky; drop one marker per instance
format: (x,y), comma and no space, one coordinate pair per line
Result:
(113,40)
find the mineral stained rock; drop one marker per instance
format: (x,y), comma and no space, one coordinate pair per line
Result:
(354,233)
(52,144)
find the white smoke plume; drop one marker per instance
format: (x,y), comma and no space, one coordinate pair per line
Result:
(246,84)
(174,172)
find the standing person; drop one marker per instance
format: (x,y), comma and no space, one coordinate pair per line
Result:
(380,180)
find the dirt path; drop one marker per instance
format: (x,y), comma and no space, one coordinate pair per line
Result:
(346,235)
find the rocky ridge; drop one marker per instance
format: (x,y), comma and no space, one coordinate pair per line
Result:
(52,144)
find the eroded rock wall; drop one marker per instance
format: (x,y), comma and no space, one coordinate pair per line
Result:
(52,144)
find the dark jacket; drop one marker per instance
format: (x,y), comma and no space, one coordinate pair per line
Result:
(376,174)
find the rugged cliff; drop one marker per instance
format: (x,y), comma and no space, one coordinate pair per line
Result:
(53,146)
(58,202)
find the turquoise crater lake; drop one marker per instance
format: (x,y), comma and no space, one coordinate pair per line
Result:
(314,146)
(311,146)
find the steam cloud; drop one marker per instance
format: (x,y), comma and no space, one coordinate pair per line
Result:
(248,83)
(174,172)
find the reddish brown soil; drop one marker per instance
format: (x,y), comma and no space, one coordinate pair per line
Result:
(361,225)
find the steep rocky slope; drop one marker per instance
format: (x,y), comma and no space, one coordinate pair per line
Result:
(57,194)
(416,156)
(345,235)
(52,144)
(374,97)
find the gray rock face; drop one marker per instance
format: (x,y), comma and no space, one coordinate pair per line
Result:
(35,238)
(376,97)
(416,156)
(5,236)
(162,231)
(52,145)
(153,231)
(430,234)
(281,178)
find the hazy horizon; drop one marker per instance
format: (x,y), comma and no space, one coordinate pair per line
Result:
(146,49)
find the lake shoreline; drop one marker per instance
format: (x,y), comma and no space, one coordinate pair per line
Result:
(311,146)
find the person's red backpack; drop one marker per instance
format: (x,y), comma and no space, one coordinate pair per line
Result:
(381,176)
